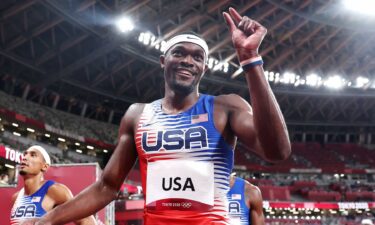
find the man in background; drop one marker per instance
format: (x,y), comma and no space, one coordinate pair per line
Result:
(245,205)
(38,196)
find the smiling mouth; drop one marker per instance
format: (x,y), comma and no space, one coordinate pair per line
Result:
(185,73)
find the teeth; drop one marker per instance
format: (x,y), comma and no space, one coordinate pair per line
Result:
(185,72)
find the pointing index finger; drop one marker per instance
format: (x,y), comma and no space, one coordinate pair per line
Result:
(229,22)
(235,15)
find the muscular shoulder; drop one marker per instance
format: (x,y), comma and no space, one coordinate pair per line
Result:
(252,188)
(59,193)
(131,117)
(133,113)
(253,192)
(135,108)
(232,102)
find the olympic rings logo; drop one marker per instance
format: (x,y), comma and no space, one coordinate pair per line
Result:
(186,205)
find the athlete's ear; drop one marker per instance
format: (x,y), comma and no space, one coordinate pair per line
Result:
(162,60)
(205,67)
(45,167)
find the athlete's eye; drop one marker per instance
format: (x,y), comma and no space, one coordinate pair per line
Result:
(199,57)
(177,52)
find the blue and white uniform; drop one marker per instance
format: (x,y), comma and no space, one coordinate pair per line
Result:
(29,206)
(237,208)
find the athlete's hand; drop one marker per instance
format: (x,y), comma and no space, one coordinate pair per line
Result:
(247,34)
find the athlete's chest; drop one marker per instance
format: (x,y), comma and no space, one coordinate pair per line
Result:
(173,133)
(29,207)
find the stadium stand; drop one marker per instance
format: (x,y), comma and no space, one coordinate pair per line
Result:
(59,119)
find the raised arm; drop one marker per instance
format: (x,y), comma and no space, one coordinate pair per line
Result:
(102,192)
(262,128)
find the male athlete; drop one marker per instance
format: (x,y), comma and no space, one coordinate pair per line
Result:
(38,196)
(185,140)
(245,205)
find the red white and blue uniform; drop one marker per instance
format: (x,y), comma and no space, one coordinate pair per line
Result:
(29,206)
(185,165)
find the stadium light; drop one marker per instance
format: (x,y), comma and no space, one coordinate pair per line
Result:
(335,82)
(9,166)
(14,125)
(105,150)
(79,151)
(30,130)
(16,134)
(90,147)
(61,139)
(277,76)
(47,135)
(362,81)
(77,144)
(288,78)
(361,6)
(124,24)
(313,80)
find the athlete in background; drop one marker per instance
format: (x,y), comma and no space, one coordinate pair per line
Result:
(245,205)
(185,140)
(38,196)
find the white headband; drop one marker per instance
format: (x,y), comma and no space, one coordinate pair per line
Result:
(43,152)
(187,38)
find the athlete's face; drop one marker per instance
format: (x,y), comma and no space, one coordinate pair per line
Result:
(184,65)
(32,163)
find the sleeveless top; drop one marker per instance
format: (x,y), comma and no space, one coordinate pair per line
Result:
(238,210)
(29,206)
(185,165)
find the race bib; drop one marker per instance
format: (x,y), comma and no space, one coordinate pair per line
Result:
(180,185)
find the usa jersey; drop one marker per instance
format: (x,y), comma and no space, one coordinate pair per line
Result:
(185,165)
(238,210)
(29,206)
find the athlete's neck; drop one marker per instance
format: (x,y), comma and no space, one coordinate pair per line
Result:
(33,183)
(231,181)
(173,103)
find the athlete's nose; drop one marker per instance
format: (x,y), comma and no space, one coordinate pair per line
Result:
(187,61)
(24,157)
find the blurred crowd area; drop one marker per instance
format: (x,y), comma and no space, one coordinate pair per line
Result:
(105,132)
